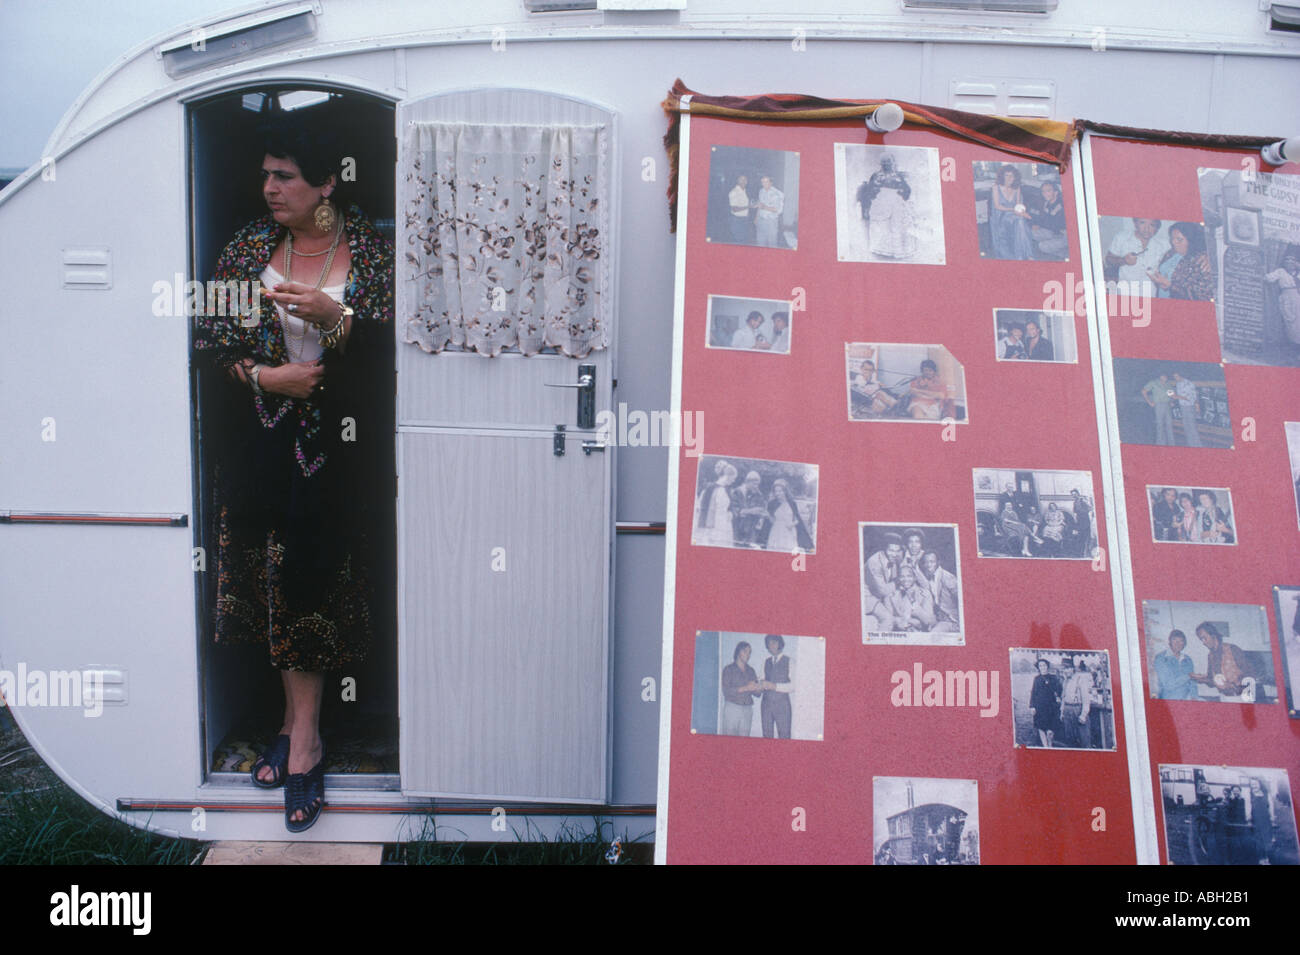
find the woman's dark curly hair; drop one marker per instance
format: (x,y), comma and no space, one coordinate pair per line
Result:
(308,140)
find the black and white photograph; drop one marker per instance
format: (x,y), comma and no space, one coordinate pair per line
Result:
(1020,211)
(1062,699)
(911,584)
(759,685)
(1023,334)
(1252,222)
(753,197)
(920,821)
(750,324)
(1191,515)
(1293,452)
(1227,815)
(1286,604)
(1025,513)
(1172,403)
(752,504)
(1157,258)
(888,206)
(1211,652)
(903,382)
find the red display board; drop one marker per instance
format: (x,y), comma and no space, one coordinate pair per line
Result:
(1234,327)
(891,771)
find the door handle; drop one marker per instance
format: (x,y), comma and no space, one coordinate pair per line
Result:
(586,385)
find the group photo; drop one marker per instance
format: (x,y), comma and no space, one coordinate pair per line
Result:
(1211,652)
(1023,513)
(1172,403)
(895,382)
(1191,515)
(1227,815)
(919,821)
(1022,334)
(1253,229)
(752,504)
(753,197)
(911,584)
(759,685)
(1020,211)
(749,324)
(1062,699)
(888,206)
(1157,258)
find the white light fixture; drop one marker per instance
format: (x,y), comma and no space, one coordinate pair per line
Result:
(1284,150)
(887,118)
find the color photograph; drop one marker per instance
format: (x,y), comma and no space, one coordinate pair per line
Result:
(753,197)
(893,382)
(759,685)
(1020,211)
(1211,652)
(749,324)
(1191,515)
(1172,403)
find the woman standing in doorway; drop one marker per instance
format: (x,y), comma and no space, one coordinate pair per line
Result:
(294,478)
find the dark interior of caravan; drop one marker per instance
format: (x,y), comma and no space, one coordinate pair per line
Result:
(241,696)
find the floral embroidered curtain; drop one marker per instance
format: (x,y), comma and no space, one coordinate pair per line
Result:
(505,238)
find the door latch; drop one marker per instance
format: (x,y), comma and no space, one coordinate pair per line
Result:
(557,442)
(586,385)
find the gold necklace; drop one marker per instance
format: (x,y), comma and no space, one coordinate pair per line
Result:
(288,277)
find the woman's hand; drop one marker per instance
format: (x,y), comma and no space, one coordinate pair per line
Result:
(307,303)
(1159,279)
(297,379)
(238,372)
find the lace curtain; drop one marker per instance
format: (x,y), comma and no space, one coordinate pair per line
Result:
(505,238)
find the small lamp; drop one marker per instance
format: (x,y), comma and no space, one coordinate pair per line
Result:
(1282,151)
(887,118)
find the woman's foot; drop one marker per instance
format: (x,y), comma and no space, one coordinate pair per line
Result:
(272,766)
(305,756)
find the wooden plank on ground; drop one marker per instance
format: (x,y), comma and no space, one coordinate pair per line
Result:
(293,853)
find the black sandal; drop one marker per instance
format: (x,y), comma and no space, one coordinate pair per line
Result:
(305,793)
(277,757)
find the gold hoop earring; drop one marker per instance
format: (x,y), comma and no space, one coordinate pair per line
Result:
(324,215)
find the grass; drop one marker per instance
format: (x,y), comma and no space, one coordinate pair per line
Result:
(569,846)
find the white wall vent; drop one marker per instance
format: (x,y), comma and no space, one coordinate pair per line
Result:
(88,267)
(1003,96)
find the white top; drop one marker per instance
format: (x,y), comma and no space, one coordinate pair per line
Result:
(301,339)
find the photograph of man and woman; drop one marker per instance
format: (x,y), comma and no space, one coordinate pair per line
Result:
(1253,229)
(749,324)
(890,382)
(1191,515)
(911,584)
(1157,258)
(888,206)
(753,197)
(1212,652)
(760,685)
(1062,699)
(1019,211)
(1227,815)
(754,504)
(1023,334)
(918,821)
(1022,513)
(1172,403)
(1286,603)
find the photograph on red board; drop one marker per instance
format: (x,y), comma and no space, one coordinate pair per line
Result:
(919,821)
(1023,334)
(749,324)
(911,584)
(1062,699)
(1293,450)
(1157,258)
(1191,515)
(1019,211)
(1252,223)
(901,382)
(759,685)
(1172,403)
(888,206)
(1040,514)
(753,504)
(753,197)
(1211,652)
(1286,602)
(1227,815)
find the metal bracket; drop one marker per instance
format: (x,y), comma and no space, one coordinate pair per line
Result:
(557,442)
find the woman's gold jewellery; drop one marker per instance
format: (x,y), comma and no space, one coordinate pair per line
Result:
(288,277)
(324,214)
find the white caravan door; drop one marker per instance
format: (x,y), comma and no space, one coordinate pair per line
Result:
(504,543)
